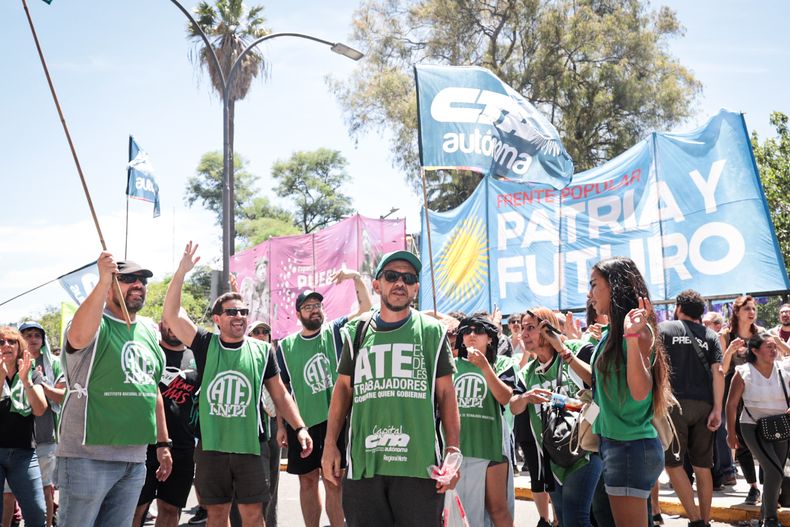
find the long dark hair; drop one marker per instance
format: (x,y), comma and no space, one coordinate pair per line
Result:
(735,317)
(754,343)
(627,286)
(491,331)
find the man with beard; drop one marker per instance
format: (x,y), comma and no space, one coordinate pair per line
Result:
(179,385)
(233,369)
(308,366)
(113,407)
(783,329)
(397,369)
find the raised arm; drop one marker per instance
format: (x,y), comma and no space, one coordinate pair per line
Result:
(33,392)
(86,320)
(363,295)
(639,341)
(174,316)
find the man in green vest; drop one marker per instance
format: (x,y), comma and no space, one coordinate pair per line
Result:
(308,366)
(113,408)
(391,384)
(233,369)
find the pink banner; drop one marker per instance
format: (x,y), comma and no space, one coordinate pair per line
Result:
(271,275)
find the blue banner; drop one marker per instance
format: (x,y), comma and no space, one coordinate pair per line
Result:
(469,119)
(687,208)
(80,282)
(140,182)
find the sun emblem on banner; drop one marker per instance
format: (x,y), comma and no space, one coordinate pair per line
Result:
(461,270)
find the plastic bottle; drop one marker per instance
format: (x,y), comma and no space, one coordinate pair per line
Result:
(559,400)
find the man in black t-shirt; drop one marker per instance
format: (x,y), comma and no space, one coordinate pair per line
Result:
(697,382)
(179,385)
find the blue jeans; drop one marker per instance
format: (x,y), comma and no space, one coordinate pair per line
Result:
(98,493)
(19,466)
(573,499)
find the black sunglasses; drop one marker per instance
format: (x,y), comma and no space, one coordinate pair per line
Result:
(233,311)
(477,330)
(10,342)
(394,276)
(132,278)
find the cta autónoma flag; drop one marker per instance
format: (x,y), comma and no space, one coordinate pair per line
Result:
(469,119)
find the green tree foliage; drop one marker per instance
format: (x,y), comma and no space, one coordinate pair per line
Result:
(206,184)
(600,70)
(312,181)
(194,299)
(773,160)
(263,220)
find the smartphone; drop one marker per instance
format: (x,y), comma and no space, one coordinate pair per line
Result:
(548,325)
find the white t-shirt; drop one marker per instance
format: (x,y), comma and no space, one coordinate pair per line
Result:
(763,397)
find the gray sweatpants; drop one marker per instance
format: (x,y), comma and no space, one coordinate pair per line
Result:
(771,457)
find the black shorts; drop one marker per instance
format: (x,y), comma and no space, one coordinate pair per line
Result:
(392,500)
(175,489)
(222,477)
(297,464)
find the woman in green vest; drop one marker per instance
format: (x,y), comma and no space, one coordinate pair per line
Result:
(21,400)
(574,486)
(482,394)
(630,382)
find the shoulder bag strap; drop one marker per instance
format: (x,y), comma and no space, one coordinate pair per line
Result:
(700,355)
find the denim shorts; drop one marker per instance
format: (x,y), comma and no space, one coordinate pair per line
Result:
(631,468)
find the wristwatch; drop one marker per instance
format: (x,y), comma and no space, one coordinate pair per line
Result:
(300,429)
(165,444)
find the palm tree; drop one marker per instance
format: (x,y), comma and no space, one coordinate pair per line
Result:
(230,27)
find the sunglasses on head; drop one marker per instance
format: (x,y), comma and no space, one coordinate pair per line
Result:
(477,330)
(260,331)
(233,311)
(132,278)
(394,276)
(10,342)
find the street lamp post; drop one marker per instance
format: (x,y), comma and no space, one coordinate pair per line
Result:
(228,216)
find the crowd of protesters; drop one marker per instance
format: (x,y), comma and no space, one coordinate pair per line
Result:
(134,411)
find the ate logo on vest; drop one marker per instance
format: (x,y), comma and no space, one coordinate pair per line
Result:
(317,373)
(229,395)
(137,364)
(470,390)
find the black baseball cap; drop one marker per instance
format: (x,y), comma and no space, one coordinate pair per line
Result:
(130,267)
(399,255)
(304,295)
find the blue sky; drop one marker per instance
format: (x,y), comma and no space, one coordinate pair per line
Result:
(123,67)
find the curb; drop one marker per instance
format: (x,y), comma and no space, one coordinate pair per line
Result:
(731,514)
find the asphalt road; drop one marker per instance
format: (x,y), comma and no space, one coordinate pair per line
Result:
(290,515)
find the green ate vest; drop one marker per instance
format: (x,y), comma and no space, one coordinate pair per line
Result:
(622,417)
(393,429)
(536,377)
(122,386)
(481,414)
(312,367)
(229,395)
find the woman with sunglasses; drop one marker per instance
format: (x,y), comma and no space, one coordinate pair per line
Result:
(483,385)
(573,486)
(22,400)
(629,375)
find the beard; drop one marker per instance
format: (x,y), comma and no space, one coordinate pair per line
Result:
(310,323)
(171,340)
(385,299)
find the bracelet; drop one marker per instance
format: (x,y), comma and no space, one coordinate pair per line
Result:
(299,429)
(455,448)
(632,335)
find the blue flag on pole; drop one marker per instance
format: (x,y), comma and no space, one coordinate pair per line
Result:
(469,119)
(140,182)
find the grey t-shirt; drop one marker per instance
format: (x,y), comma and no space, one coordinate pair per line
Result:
(77,366)
(45,424)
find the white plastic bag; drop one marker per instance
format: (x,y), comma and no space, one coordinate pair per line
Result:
(454,514)
(448,470)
